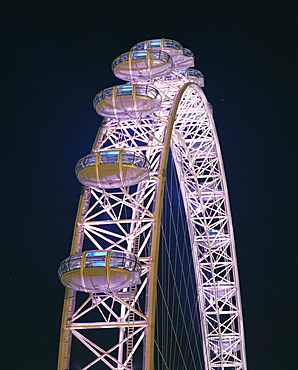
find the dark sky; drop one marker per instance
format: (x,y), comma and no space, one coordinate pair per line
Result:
(56,56)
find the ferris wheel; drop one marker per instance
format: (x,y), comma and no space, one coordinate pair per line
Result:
(158,121)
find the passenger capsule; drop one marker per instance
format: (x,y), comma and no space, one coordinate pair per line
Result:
(100,271)
(127,101)
(142,65)
(112,169)
(194,75)
(186,61)
(171,47)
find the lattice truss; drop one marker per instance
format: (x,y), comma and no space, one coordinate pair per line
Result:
(200,171)
(122,219)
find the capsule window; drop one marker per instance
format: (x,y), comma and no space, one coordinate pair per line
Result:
(116,262)
(109,157)
(154,43)
(172,44)
(129,265)
(98,261)
(124,90)
(149,91)
(128,158)
(79,165)
(123,260)
(141,54)
(141,90)
(64,267)
(187,53)
(124,57)
(139,46)
(117,254)
(106,93)
(164,56)
(138,161)
(75,263)
(89,160)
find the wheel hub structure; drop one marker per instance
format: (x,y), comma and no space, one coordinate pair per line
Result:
(111,274)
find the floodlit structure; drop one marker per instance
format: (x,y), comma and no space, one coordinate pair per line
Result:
(111,273)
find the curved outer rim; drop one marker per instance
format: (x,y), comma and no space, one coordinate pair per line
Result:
(209,364)
(149,361)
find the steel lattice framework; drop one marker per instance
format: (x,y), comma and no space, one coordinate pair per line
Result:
(128,219)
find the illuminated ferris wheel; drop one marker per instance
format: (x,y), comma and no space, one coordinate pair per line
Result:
(159,120)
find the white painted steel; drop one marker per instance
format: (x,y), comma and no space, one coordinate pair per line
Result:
(129,219)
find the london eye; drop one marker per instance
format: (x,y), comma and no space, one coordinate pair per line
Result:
(151,281)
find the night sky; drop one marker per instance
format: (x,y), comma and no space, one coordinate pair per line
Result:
(56,55)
